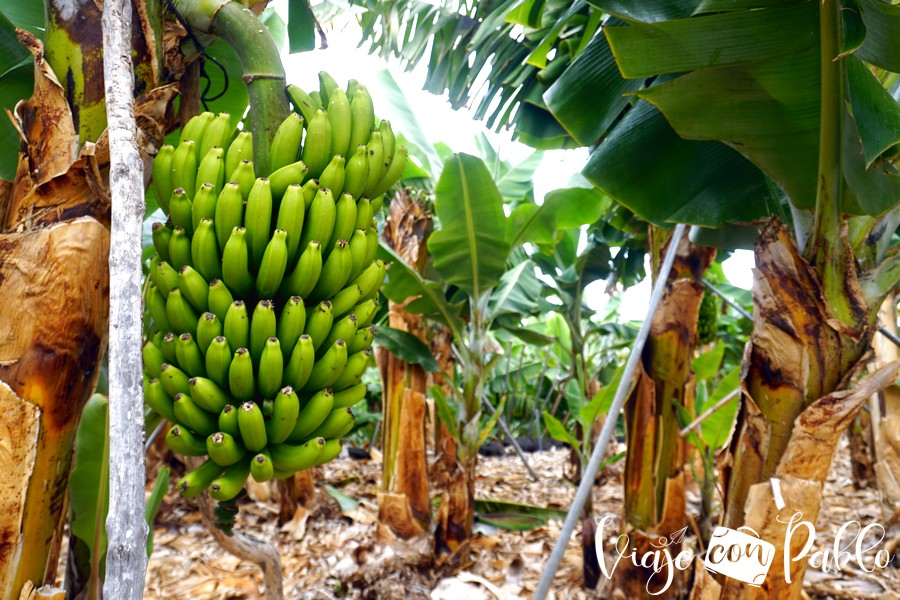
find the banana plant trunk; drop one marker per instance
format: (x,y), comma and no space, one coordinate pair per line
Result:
(404,505)
(654,462)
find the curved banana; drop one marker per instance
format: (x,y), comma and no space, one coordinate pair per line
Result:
(371,244)
(179,248)
(353,372)
(317,145)
(362,340)
(291,213)
(167,346)
(300,364)
(224,449)
(356,171)
(285,145)
(320,221)
(164,277)
(302,102)
(211,171)
(291,322)
(371,278)
(231,482)
(237,325)
(220,298)
(359,247)
(327,86)
(228,421)
(310,189)
(363,213)
(362,116)
(261,467)
(252,426)
(245,176)
(209,327)
(392,174)
(161,236)
(258,220)
(190,359)
(194,288)
(205,251)
(208,395)
(240,376)
(344,301)
(306,273)
(341,121)
(289,458)
(184,168)
(183,442)
(338,423)
(333,175)
(343,329)
(153,358)
(365,311)
(181,210)
(158,399)
(204,205)
(217,134)
(236,263)
(271,368)
(335,272)
(199,479)
(328,368)
(318,324)
(349,396)
(330,451)
(313,413)
(377,168)
(285,176)
(262,326)
(193,417)
(195,128)
(181,316)
(388,140)
(344,217)
(285,412)
(272,266)
(239,149)
(229,212)
(162,176)
(218,361)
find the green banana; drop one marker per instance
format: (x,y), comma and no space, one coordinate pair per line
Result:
(181,316)
(285,412)
(285,176)
(312,414)
(333,175)
(153,358)
(371,278)
(245,176)
(286,143)
(183,442)
(343,329)
(306,273)
(168,349)
(371,244)
(356,171)
(229,212)
(362,340)
(330,451)
(236,263)
(161,236)
(272,266)
(156,302)
(184,168)
(335,272)
(205,251)
(237,325)
(365,311)
(388,140)
(208,395)
(359,247)
(231,482)
(181,211)
(218,361)
(228,421)
(220,298)
(217,134)
(341,121)
(199,479)
(158,399)
(344,301)
(209,327)
(392,174)
(252,426)
(195,128)
(328,368)
(164,277)
(377,203)
(268,407)
(300,364)
(162,176)
(349,396)
(318,324)
(193,417)
(204,204)
(302,102)
(344,217)
(327,86)
(179,248)
(224,449)
(240,149)
(211,171)
(352,86)
(310,188)
(240,376)
(262,326)
(190,359)
(287,457)
(194,288)
(317,145)
(271,368)
(258,220)
(261,467)
(363,213)
(377,167)
(338,423)
(362,116)
(353,372)
(291,213)
(291,322)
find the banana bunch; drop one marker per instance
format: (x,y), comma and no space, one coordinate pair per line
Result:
(262,291)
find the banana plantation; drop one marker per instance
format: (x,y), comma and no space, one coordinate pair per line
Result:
(443,299)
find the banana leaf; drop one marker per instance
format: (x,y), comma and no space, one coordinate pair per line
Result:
(514,516)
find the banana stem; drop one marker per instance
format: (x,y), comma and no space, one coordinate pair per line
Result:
(263,71)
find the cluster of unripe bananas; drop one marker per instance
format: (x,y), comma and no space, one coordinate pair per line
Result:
(262,291)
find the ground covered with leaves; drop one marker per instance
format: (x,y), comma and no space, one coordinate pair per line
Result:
(336,549)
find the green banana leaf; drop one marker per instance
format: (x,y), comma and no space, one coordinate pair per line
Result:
(16,83)
(514,516)
(470,248)
(301,26)
(406,347)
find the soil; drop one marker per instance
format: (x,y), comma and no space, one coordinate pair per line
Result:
(330,552)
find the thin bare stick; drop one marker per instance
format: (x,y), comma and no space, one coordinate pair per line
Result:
(708,412)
